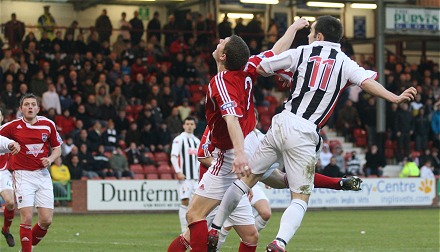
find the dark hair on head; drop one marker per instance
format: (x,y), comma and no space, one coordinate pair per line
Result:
(330,27)
(189,118)
(28,96)
(237,53)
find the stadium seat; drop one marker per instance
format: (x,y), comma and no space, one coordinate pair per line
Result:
(360,137)
(166,176)
(84,178)
(149,155)
(110,178)
(161,156)
(139,176)
(389,153)
(333,143)
(152,176)
(164,169)
(265,122)
(137,169)
(150,169)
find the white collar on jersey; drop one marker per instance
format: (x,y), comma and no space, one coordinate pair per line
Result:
(337,46)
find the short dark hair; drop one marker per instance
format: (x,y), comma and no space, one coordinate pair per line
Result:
(237,53)
(330,27)
(27,96)
(189,118)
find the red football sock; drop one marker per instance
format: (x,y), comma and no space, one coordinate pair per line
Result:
(246,247)
(8,217)
(199,236)
(37,234)
(180,244)
(322,181)
(26,238)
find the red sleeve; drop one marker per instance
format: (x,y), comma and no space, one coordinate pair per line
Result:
(226,94)
(204,150)
(255,60)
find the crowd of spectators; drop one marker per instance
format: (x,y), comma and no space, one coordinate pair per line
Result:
(121,101)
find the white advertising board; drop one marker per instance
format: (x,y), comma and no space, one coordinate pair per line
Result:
(375,192)
(412,19)
(113,195)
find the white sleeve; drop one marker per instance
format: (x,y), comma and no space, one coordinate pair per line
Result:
(175,163)
(175,152)
(285,61)
(4,142)
(356,74)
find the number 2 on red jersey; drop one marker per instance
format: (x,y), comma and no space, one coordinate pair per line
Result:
(317,61)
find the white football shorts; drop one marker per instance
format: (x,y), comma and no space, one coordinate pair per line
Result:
(297,142)
(5,180)
(187,188)
(33,188)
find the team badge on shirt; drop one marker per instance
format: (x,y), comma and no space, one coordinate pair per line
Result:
(231,104)
(20,199)
(44,137)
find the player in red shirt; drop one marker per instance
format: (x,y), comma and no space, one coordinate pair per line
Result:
(276,179)
(40,145)
(230,117)
(7,193)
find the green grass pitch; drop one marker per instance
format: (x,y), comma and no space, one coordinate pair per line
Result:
(322,230)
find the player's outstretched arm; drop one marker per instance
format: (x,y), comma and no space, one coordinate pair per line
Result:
(375,88)
(286,40)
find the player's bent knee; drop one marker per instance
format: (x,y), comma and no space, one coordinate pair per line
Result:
(251,238)
(265,214)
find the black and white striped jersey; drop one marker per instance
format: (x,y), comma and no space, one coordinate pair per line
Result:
(321,73)
(185,148)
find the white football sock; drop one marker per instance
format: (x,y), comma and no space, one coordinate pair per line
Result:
(222,237)
(229,202)
(291,219)
(260,223)
(182,216)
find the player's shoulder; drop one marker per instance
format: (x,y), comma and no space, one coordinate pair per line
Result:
(12,123)
(44,120)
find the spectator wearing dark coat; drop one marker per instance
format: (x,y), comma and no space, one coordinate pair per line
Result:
(153,27)
(137,29)
(104,26)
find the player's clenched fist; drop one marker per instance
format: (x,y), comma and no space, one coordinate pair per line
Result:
(14,147)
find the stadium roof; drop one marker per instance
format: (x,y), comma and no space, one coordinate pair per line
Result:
(84,4)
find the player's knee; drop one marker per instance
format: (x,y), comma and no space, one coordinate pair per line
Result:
(251,237)
(45,224)
(10,205)
(265,214)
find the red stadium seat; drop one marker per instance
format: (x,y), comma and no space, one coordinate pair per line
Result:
(110,178)
(152,176)
(389,153)
(165,169)
(150,169)
(161,156)
(333,143)
(139,176)
(137,169)
(265,122)
(149,155)
(166,176)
